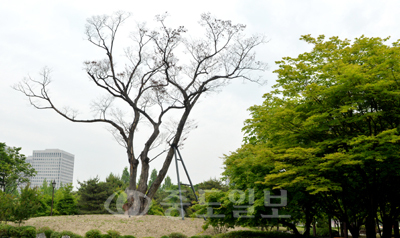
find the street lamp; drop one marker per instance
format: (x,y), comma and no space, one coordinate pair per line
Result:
(53,184)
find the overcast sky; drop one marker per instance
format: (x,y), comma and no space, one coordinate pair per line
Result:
(35,34)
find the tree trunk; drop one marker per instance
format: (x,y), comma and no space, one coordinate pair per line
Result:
(314,228)
(370,230)
(354,230)
(133,164)
(307,226)
(330,227)
(291,226)
(345,233)
(150,192)
(396,229)
(387,227)
(163,171)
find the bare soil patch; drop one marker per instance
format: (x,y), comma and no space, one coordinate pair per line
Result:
(149,225)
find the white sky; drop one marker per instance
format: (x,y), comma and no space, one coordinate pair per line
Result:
(35,34)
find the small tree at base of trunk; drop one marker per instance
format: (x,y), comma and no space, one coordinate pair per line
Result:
(154,82)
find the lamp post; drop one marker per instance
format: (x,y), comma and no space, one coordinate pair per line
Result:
(53,184)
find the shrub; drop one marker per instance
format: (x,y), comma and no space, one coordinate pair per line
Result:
(70,234)
(105,236)
(201,236)
(128,236)
(55,234)
(4,230)
(113,233)
(164,237)
(28,232)
(155,209)
(14,232)
(324,232)
(177,235)
(46,230)
(93,234)
(254,234)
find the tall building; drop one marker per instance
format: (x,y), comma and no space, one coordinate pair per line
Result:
(52,164)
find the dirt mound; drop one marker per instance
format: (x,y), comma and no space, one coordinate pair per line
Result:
(142,226)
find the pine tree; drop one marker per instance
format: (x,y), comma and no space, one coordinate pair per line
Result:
(125,176)
(92,195)
(153,177)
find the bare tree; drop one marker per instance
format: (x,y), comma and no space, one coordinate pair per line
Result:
(153,82)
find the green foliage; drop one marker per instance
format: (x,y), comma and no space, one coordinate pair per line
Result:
(6,206)
(164,237)
(114,182)
(14,232)
(125,176)
(14,169)
(128,236)
(27,204)
(177,235)
(212,183)
(28,232)
(48,233)
(201,236)
(329,131)
(67,204)
(93,234)
(4,230)
(155,209)
(254,234)
(46,188)
(105,236)
(114,234)
(46,230)
(44,208)
(56,234)
(324,232)
(153,177)
(92,195)
(167,183)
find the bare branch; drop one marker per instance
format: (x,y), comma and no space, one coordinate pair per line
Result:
(150,81)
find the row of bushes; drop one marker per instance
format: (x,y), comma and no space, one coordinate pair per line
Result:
(7,231)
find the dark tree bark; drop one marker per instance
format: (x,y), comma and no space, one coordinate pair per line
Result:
(314,229)
(396,229)
(370,229)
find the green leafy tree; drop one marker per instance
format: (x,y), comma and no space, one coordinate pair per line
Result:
(14,171)
(114,185)
(92,196)
(246,169)
(6,206)
(27,205)
(167,183)
(44,206)
(125,176)
(212,183)
(153,177)
(67,204)
(331,127)
(46,188)
(114,182)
